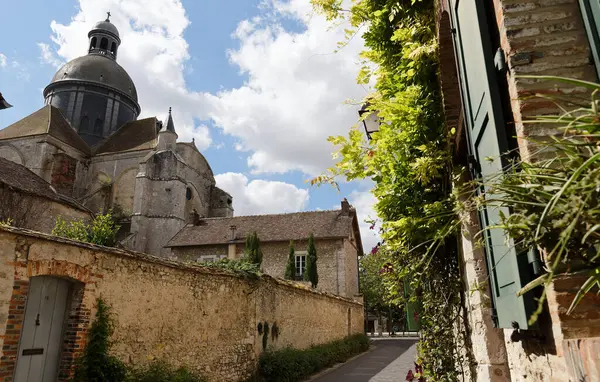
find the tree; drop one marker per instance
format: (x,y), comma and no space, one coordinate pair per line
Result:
(290,269)
(311,273)
(253,251)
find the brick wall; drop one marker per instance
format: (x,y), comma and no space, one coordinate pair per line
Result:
(206,319)
(542,37)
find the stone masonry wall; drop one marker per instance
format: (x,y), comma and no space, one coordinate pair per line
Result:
(205,319)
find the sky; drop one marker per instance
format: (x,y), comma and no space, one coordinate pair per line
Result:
(257,84)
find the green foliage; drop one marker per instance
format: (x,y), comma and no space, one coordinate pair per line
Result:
(311,273)
(409,160)
(252,250)
(102,230)
(243,267)
(159,371)
(290,268)
(372,284)
(7,222)
(291,365)
(96,364)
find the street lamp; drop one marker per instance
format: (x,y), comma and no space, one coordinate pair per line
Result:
(371,122)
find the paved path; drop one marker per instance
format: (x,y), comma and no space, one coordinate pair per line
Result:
(389,361)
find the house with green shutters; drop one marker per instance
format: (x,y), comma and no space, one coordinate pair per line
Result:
(485,47)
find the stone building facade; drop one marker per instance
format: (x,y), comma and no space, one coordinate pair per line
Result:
(483,48)
(29,202)
(166,310)
(88,144)
(337,241)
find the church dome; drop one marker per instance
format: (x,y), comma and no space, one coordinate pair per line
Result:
(93,92)
(98,69)
(105,26)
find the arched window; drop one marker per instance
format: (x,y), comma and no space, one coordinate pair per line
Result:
(93,43)
(98,127)
(104,43)
(84,124)
(113,48)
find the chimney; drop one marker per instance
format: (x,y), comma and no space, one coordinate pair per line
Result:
(232,249)
(194,217)
(345,207)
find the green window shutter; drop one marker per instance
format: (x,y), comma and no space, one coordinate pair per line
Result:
(489,144)
(590,10)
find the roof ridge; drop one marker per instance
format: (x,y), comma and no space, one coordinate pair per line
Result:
(278,214)
(69,129)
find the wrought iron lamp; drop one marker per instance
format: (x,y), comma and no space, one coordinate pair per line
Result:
(372,122)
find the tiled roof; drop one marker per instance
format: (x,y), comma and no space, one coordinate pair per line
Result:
(280,227)
(47,120)
(132,136)
(20,178)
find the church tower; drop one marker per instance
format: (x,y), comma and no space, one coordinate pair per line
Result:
(159,205)
(93,92)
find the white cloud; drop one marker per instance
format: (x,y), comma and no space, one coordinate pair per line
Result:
(3,61)
(153,51)
(363,201)
(47,56)
(295,92)
(262,196)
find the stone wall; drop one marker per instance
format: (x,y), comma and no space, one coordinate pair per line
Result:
(205,319)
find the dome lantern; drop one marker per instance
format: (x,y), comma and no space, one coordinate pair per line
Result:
(104,38)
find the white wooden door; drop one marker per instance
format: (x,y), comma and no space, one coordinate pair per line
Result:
(41,335)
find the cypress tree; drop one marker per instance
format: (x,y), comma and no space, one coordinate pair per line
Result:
(253,252)
(290,269)
(311,263)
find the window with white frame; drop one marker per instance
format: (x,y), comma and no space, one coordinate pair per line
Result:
(300,264)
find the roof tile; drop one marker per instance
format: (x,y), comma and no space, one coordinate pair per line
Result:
(280,227)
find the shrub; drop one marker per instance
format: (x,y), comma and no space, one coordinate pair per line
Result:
(242,267)
(96,364)
(291,365)
(160,371)
(102,230)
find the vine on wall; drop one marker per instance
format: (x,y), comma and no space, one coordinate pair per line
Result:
(409,160)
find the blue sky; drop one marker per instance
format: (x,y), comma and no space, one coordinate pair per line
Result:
(256,84)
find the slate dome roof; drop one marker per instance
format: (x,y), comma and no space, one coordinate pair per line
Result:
(106,26)
(99,69)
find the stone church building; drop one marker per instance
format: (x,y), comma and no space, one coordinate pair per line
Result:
(87,144)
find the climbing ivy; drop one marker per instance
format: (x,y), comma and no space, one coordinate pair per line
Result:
(409,161)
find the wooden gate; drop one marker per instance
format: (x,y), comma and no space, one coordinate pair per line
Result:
(42,332)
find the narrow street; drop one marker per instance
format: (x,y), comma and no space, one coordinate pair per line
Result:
(389,360)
